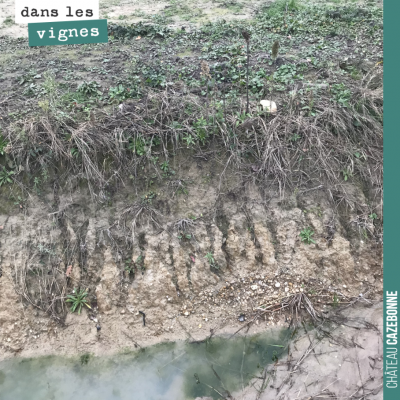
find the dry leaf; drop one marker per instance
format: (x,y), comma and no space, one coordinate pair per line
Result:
(138,38)
(68,271)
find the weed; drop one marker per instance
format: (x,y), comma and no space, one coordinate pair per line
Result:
(306,235)
(3,145)
(44,249)
(210,258)
(373,216)
(85,358)
(89,88)
(119,93)
(186,236)
(78,300)
(5,176)
(19,201)
(347,173)
(74,152)
(149,197)
(189,140)
(8,21)
(342,94)
(295,137)
(142,146)
(139,263)
(164,166)
(131,267)
(200,127)
(286,74)
(335,300)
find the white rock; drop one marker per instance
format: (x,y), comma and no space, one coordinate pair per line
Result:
(254,287)
(277,284)
(269,106)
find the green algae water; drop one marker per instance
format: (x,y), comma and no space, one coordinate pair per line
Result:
(168,371)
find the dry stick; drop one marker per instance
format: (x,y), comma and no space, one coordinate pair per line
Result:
(222,383)
(241,368)
(130,337)
(210,387)
(222,174)
(246,36)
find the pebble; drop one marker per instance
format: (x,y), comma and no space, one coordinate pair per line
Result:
(254,287)
(277,284)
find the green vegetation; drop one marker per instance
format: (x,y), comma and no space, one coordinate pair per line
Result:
(3,144)
(85,358)
(210,258)
(153,93)
(306,235)
(5,176)
(78,300)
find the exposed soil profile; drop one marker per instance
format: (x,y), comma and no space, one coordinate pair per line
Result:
(213,170)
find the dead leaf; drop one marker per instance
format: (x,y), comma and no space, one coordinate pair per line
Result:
(68,271)
(138,38)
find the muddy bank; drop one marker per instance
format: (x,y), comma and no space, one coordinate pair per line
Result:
(342,360)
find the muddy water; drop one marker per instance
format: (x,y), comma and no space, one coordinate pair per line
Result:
(171,371)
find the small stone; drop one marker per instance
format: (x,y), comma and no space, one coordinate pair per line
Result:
(254,287)
(345,286)
(277,284)
(286,289)
(269,106)
(187,313)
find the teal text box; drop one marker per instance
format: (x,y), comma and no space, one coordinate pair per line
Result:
(68,32)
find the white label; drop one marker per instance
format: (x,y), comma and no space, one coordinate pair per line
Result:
(30,11)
